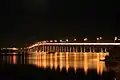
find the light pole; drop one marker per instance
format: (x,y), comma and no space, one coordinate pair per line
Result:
(85,39)
(100,38)
(115,39)
(55,40)
(74,39)
(51,41)
(66,40)
(97,39)
(60,40)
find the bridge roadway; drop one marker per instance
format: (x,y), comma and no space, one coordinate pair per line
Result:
(71,47)
(80,44)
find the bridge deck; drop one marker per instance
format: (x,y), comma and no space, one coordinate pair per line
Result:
(77,44)
(80,44)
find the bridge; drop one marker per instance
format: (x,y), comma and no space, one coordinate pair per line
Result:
(44,46)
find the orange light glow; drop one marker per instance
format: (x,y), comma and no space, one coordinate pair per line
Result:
(51,61)
(85,63)
(14,59)
(55,61)
(75,64)
(69,60)
(61,61)
(67,64)
(98,66)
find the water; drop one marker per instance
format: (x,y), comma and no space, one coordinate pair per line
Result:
(58,66)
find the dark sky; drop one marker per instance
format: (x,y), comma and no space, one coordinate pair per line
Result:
(25,21)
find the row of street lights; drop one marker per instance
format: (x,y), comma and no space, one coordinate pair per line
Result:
(85,39)
(66,40)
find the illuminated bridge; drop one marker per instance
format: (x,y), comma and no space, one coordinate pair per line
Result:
(44,46)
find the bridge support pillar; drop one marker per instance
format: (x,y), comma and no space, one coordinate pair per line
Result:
(47,48)
(62,48)
(105,50)
(50,48)
(90,49)
(93,49)
(80,49)
(101,49)
(54,48)
(70,49)
(77,49)
(57,48)
(84,49)
(73,49)
(67,49)
(43,48)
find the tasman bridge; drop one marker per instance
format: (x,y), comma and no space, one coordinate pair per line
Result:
(62,46)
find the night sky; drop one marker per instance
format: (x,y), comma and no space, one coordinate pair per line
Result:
(26,21)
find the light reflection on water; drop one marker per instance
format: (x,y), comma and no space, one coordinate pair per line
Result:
(82,63)
(68,60)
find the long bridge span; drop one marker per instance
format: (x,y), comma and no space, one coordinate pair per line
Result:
(71,47)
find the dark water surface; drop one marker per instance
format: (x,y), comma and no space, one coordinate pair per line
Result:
(58,66)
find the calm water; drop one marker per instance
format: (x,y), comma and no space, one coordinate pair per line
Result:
(64,65)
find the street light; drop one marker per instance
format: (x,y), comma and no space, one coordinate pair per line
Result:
(60,40)
(100,37)
(55,40)
(115,38)
(47,41)
(44,41)
(85,39)
(67,40)
(97,39)
(74,39)
(51,41)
